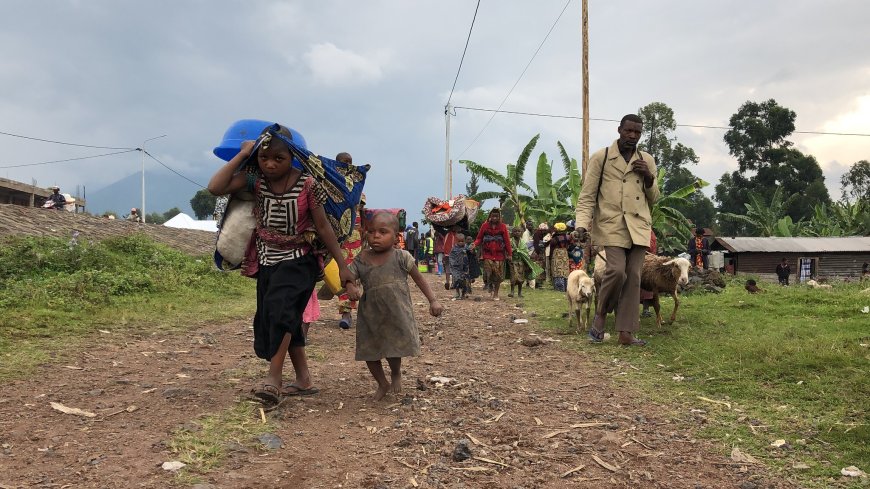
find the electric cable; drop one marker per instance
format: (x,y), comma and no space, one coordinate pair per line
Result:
(60,142)
(467,39)
(518,79)
(69,159)
(170,168)
(701,126)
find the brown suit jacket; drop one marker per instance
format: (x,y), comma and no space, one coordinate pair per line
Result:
(620,211)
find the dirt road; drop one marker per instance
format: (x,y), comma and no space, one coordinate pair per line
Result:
(540,416)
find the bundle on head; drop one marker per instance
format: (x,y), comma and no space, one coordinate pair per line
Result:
(579,290)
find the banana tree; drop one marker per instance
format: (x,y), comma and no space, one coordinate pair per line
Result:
(511,182)
(672,227)
(839,219)
(768,218)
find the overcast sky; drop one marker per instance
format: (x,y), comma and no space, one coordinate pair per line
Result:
(372,78)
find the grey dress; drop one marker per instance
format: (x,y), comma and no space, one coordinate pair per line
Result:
(385,325)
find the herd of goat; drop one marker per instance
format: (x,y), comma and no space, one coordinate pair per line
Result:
(659,275)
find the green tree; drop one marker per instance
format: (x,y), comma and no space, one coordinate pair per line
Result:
(171,213)
(757,128)
(839,219)
(555,201)
(767,218)
(766,161)
(203,203)
(696,207)
(511,183)
(671,226)
(855,184)
(659,141)
(155,218)
(473,185)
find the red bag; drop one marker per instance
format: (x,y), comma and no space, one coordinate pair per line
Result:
(250,264)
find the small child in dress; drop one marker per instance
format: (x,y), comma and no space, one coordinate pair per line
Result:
(473,263)
(519,270)
(386,327)
(459,267)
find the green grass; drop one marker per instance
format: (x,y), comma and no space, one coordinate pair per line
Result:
(57,297)
(788,361)
(206,444)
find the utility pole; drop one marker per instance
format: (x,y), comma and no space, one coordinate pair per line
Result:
(585,15)
(448,165)
(142,149)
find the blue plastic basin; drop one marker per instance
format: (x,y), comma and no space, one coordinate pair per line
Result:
(246,130)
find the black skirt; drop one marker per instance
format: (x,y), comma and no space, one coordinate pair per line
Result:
(283,291)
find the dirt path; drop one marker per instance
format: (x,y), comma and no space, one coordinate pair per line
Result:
(530,414)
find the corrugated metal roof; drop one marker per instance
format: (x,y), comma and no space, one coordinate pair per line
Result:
(797,245)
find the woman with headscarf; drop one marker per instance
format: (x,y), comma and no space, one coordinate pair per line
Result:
(538,253)
(559,244)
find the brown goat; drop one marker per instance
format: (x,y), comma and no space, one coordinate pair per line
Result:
(663,274)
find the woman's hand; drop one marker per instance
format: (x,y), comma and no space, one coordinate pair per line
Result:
(345,275)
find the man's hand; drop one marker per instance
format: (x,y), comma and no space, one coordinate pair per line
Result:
(642,168)
(580,235)
(435,308)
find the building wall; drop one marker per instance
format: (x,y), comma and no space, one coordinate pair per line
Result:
(829,265)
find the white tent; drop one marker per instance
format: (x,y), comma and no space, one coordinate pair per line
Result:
(184,221)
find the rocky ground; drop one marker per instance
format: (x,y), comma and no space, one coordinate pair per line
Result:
(481,409)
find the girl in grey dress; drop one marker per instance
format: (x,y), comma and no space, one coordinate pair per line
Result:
(386,327)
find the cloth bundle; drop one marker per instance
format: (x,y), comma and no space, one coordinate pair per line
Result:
(444,214)
(343,183)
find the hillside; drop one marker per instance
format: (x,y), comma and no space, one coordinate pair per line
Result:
(33,221)
(163,192)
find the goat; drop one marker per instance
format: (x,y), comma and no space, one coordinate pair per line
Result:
(752,287)
(659,274)
(817,285)
(579,291)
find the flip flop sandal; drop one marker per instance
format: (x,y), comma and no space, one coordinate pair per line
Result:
(268,394)
(299,391)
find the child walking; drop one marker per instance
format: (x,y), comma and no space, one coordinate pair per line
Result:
(386,327)
(459,267)
(289,212)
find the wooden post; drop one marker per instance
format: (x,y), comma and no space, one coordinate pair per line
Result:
(585,14)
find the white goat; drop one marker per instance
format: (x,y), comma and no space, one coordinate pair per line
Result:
(579,291)
(659,274)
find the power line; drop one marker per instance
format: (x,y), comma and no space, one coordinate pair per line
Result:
(170,168)
(463,53)
(518,79)
(69,159)
(61,142)
(701,126)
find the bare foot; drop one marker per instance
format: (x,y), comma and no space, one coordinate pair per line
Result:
(396,383)
(381,392)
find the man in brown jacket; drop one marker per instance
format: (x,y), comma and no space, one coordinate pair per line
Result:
(619,190)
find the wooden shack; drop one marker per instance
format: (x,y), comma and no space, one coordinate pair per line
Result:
(816,258)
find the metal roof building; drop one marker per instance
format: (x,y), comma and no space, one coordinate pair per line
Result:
(809,257)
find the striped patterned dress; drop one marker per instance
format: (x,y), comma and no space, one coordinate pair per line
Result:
(286,214)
